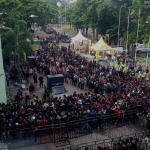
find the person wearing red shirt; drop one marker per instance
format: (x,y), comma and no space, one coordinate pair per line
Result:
(4,126)
(22,110)
(43,122)
(99,106)
(117,114)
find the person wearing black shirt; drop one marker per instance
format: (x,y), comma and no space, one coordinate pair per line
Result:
(31,88)
(41,81)
(35,78)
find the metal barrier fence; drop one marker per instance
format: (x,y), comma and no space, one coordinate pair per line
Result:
(105,143)
(63,132)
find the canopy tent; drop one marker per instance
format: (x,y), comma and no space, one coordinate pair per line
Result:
(79,41)
(79,37)
(101,46)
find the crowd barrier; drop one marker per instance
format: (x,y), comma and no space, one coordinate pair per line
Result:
(63,132)
(105,143)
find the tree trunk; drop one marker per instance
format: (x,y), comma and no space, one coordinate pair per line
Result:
(97,35)
(86,30)
(70,25)
(93,35)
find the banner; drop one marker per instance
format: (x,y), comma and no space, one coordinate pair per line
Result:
(35,47)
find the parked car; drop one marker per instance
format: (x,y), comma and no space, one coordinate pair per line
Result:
(66,40)
(50,31)
(142,50)
(103,61)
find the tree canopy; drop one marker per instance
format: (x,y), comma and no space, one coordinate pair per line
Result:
(102,16)
(17,16)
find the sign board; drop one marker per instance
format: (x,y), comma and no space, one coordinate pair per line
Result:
(35,47)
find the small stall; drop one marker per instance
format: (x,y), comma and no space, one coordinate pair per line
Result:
(35,44)
(101,46)
(35,47)
(79,42)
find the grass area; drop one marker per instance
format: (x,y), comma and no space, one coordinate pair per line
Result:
(68,29)
(140,59)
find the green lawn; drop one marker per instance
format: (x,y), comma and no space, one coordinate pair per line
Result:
(68,29)
(140,59)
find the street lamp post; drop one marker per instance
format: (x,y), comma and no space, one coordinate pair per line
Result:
(119,29)
(17,50)
(137,35)
(60,18)
(127,34)
(33,16)
(65,18)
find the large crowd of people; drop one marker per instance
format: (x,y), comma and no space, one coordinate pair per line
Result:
(112,91)
(131,143)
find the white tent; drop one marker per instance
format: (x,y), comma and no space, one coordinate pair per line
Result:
(78,41)
(79,37)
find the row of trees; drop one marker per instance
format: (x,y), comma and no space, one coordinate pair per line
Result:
(102,17)
(16,19)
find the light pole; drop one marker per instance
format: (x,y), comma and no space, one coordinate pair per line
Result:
(127,34)
(118,43)
(60,18)
(33,16)
(65,14)
(65,17)
(17,50)
(137,35)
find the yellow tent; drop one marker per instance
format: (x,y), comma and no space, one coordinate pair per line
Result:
(101,46)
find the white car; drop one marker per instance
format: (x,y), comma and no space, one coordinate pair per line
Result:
(142,50)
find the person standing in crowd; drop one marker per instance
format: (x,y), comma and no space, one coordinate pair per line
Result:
(35,78)
(7,76)
(41,80)
(30,72)
(27,96)
(31,88)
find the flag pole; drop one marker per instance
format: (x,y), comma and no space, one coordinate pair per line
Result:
(119,29)
(137,35)
(127,34)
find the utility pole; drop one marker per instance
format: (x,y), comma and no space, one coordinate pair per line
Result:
(17,52)
(127,34)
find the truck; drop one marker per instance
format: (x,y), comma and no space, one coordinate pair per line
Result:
(55,85)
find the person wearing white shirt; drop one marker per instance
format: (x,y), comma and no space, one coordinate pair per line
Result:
(80,101)
(30,72)
(27,95)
